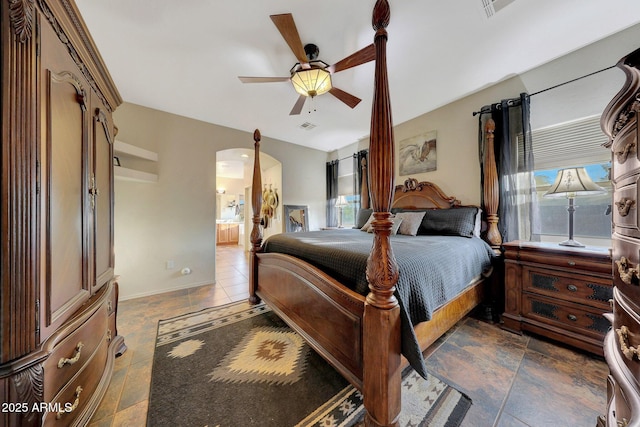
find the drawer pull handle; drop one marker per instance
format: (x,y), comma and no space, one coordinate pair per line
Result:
(76,356)
(624,206)
(572,317)
(623,338)
(572,288)
(627,273)
(622,155)
(571,263)
(67,409)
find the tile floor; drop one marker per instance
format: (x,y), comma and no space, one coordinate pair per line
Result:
(514,381)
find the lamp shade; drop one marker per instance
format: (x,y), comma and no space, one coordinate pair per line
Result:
(341,201)
(572,182)
(311,81)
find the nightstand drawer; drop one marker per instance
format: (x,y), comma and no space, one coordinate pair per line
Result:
(566,316)
(579,288)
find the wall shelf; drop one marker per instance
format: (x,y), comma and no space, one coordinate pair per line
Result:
(127,174)
(135,163)
(120,147)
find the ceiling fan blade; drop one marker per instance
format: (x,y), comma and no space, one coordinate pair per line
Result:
(297,108)
(287,28)
(345,97)
(362,56)
(263,79)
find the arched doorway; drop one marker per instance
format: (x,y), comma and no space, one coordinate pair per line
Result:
(234,173)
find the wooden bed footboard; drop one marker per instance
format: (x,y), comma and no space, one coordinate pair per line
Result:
(326,313)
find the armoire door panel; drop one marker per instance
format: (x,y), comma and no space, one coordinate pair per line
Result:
(103,208)
(65,240)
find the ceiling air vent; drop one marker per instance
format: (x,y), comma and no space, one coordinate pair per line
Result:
(491,7)
(307,126)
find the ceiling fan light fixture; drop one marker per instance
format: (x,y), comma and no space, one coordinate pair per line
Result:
(312,81)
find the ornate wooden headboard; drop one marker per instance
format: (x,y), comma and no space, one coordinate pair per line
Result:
(421,195)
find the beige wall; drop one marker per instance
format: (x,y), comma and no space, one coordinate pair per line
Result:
(458,167)
(174,219)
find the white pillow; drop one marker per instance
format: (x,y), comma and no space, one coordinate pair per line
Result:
(477,228)
(367,225)
(410,222)
(394,228)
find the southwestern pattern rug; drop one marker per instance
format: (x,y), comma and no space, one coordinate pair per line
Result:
(240,365)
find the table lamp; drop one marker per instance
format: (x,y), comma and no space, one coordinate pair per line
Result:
(341,203)
(572,182)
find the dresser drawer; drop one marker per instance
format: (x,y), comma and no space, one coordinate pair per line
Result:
(626,268)
(567,316)
(73,398)
(626,326)
(625,208)
(579,288)
(72,353)
(554,255)
(625,159)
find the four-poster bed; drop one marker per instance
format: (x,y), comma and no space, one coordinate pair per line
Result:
(360,335)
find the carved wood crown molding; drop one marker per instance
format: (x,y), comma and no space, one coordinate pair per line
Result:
(46,11)
(21,18)
(630,110)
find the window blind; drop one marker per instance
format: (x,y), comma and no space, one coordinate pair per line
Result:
(574,143)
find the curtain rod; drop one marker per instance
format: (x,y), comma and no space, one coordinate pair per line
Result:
(487,109)
(350,157)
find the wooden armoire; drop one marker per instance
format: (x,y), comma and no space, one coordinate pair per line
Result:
(622,342)
(58,336)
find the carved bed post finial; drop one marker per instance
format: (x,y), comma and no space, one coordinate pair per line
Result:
(491,188)
(381,320)
(256,231)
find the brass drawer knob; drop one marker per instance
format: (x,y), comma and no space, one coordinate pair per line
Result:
(572,317)
(627,273)
(572,288)
(73,359)
(629,352)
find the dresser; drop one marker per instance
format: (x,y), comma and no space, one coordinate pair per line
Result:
(58,307)
(620,122)
(558,292)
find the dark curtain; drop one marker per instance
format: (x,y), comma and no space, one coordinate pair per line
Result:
(517,210)
(332,193)
(361,200)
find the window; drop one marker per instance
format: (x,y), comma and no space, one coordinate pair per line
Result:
(347,201)
(573,144)
(592,216)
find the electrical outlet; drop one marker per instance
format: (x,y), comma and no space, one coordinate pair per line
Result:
(170,264)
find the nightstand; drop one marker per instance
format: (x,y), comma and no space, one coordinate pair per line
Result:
(558,292)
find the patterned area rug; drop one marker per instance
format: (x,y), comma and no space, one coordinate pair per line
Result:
(240,365)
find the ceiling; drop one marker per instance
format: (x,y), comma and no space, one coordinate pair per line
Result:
(186,60)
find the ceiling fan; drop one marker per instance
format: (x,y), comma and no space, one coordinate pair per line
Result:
(310,76)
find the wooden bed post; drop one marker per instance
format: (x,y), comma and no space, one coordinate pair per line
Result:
(364,188)
(382,376)
(491,187)
(256,231)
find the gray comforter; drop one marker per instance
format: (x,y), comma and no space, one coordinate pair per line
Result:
(433,269)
